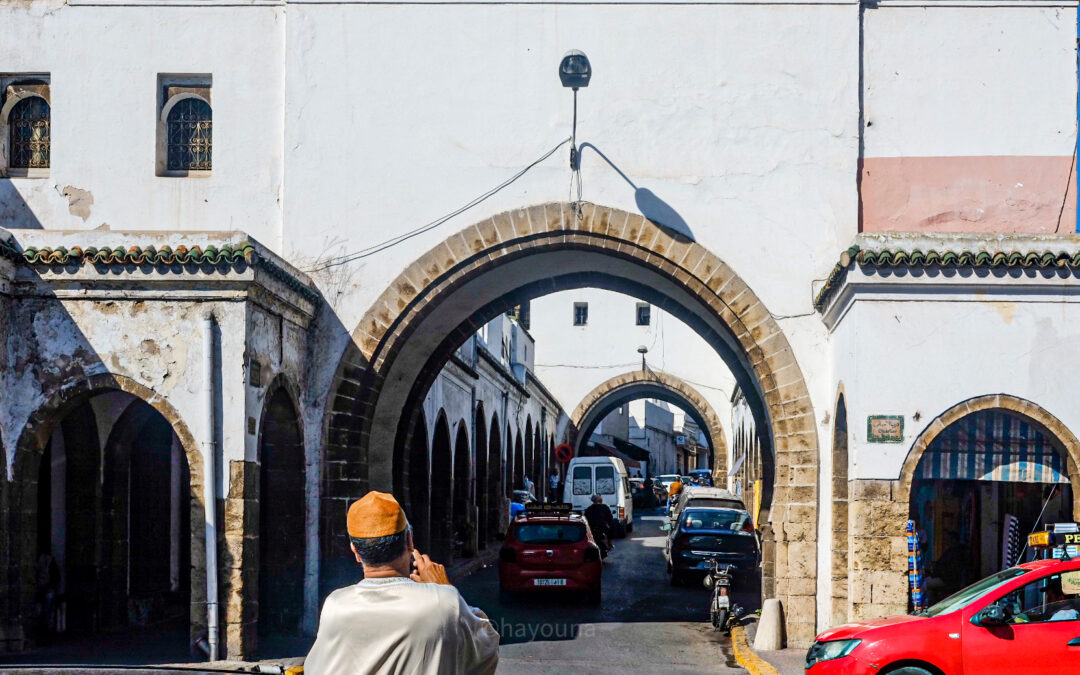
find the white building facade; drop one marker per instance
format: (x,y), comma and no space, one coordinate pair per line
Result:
(235,215)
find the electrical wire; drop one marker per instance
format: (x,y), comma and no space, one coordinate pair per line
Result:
(394,241)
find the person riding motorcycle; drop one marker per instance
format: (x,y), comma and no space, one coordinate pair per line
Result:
(601,522)
(674,490)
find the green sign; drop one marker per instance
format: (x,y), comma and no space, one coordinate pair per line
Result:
(885,429)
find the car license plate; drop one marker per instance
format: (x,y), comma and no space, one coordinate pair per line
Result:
(549,582)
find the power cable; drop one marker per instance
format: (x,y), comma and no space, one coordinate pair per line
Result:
(394,241)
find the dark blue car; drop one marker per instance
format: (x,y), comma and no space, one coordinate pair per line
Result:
(703,534)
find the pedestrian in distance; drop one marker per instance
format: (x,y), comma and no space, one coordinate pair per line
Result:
(601,522)
(553,483)
(404,616)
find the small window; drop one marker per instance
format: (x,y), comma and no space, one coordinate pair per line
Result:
(25,126)
(581,313)
(582,480)
(643,313)
(185,125)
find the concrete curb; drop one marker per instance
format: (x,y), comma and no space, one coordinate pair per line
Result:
(746,657)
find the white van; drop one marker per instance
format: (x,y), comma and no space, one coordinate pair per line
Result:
(607,477)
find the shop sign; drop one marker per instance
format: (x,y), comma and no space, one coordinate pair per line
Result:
(885,429)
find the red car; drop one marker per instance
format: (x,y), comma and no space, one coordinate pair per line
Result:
(550,549)
(1025,619)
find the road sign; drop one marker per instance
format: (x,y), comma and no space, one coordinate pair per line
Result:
(564,453)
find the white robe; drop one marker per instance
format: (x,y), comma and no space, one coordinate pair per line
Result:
(397,626)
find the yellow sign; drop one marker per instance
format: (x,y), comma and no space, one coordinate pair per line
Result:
(1070,582)
(1072,538)
(1039,539)
(757,503)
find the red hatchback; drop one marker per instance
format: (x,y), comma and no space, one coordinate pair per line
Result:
(550,550)
(1025,619)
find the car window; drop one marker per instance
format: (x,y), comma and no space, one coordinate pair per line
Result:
(605,480)
(973,592)
(550,533)
(1043,600)
(732,521)
(583,480)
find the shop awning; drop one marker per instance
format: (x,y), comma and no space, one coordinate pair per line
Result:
(993,446)
(632,451)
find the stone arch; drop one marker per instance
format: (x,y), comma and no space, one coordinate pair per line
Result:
(840,512)
(440,527)
(411,330)
(23,491)
(636,384)
(1049,424)
(464,527)
(282,512)
(418,485)
(481,482)
(528,459)
(496,471)
(519,462)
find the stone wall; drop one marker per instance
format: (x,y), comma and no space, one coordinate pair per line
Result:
(877,555)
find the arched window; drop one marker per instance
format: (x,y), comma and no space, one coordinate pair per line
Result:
(189,135)
(28,126)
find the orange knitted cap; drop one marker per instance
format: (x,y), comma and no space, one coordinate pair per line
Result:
(376,514)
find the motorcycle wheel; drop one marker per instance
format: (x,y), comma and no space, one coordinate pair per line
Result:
(719,618)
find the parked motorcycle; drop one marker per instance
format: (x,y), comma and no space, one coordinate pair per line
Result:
(722,612)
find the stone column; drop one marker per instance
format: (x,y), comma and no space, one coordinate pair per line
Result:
(239,565)
(877,549)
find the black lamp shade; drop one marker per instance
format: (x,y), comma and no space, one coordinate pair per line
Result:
(574,70)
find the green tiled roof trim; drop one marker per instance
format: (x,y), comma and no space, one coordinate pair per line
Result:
(136,255)
(917,258)
(228,254)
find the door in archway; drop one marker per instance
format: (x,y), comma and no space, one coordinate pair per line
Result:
(978,490)
(281,517)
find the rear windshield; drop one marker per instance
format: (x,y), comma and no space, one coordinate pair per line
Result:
(731,521)
(583,480)
(550,533)
(715,502)
(605,480)
(719,543)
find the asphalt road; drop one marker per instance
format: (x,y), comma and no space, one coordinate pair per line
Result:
(643,625)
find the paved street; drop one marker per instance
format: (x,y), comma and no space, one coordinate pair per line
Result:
(644,625)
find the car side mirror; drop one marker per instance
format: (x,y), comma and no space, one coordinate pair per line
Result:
(994,615)
(666,527)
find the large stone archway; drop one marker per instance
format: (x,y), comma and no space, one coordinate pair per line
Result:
(446,295)
(636,384)
(22,493)
(879,509)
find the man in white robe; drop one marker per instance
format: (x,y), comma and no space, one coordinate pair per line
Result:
(405,616)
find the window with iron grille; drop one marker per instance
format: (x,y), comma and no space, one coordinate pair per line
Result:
(189,131)
(581,313)
(644,312)
(28,126)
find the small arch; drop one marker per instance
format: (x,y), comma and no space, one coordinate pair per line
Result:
(442,490)
(481,482)
(418,482)
(463,522)
(840,512)
(33,439)
(530,450)
(496,471)
(282,512)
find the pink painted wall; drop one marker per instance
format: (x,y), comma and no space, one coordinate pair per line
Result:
(968,194)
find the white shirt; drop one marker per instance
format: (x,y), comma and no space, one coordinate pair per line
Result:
(396,625)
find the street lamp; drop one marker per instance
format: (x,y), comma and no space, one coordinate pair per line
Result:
(574,72)
(643,350)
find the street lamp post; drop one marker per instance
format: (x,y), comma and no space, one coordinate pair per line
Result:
(575,72)
(643,350)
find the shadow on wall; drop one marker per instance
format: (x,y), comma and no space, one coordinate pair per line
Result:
(15,213)
(651,206)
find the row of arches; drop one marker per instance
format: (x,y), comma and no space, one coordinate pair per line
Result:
(459,482)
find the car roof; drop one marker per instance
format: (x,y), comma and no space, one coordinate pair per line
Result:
(1042,565)
(712,508)
(569,518)
(705,491)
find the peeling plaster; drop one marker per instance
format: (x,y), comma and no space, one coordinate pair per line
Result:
(79,201)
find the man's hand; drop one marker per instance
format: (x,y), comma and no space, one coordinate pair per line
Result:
(428,572)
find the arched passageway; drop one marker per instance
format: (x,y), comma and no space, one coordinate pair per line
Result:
(439,301)
(442,491)
(528,457)
(982,483)
(483,494)
(419,482)
(496,471)
(519,463)
(107,487)
(621,389)
(281,516)
(464,521)
(840,515)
